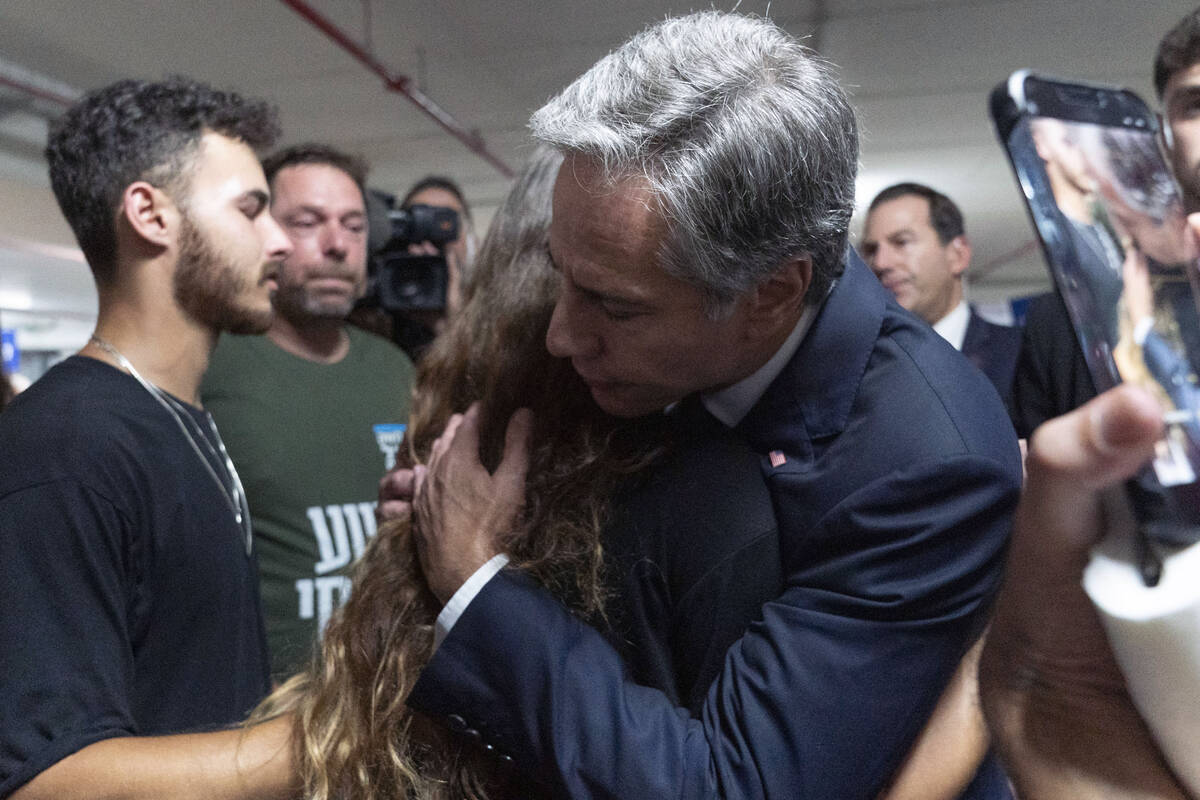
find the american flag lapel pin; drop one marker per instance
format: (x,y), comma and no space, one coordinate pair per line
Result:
(777,458)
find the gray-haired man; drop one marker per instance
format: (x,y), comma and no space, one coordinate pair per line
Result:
(700,225)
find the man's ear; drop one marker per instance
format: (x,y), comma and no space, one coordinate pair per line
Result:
(150,214)
(780,297)
(959,253)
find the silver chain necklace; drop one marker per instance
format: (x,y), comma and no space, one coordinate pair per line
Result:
(231,489)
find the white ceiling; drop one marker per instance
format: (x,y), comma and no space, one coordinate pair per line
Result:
(919,71)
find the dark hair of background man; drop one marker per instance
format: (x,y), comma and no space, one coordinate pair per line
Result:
(944,215)
(437,182)
(320,154)
(138,130)
(1177,51)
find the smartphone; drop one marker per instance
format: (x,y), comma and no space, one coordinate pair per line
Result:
(1113,229)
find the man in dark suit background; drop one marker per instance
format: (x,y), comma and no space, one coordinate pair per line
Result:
(915,242)
(700,226)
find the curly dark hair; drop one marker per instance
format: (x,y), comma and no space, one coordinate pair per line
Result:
(1177,51)
(135,130)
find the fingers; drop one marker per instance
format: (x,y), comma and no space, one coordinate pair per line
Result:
(462,510)
(443,442)
(515,462)
(1071,459)
(467,431)
(396,485)
(392,509)
(462,433)
(420,477)
(1098,444)
(396,493)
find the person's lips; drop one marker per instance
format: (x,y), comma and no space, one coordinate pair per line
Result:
(332,283)
(595,382)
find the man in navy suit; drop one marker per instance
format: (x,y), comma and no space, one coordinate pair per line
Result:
(700,227)
(915,242)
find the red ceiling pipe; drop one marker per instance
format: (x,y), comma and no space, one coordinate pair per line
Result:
(402,84)
(37,91)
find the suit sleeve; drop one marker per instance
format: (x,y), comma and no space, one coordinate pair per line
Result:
(821,699)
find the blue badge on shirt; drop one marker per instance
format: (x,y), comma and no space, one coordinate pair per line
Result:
(389,436)
(12,355)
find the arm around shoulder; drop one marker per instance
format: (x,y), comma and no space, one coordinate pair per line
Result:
(806,704)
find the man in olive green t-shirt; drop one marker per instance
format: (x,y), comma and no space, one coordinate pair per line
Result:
(313,412)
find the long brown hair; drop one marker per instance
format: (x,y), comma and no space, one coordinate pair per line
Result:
(354,736)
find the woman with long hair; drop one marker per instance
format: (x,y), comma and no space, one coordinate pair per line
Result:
(660,536)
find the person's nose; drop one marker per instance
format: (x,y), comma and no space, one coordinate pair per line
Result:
(276,243)
(882,259)
(567,336)
(335,241)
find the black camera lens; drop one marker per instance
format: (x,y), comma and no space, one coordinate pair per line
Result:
(421,223)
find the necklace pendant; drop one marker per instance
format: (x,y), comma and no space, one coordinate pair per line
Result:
(231,488)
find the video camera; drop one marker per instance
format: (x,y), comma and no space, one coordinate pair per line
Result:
(400,281)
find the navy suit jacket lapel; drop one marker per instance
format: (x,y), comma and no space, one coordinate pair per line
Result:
(813,395)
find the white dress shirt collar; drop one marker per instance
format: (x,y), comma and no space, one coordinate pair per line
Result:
(953,326)
(732,403)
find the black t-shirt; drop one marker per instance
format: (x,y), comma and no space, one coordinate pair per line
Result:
(128,602)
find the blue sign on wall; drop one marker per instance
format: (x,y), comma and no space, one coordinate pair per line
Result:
(8,344)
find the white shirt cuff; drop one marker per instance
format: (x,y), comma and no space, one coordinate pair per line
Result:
(462,598)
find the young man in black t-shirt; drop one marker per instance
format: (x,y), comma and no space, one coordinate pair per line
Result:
(126,575)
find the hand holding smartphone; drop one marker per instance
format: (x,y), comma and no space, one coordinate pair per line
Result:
(1112,225)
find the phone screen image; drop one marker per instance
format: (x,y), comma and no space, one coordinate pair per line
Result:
(1126,267)
(1113,228)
